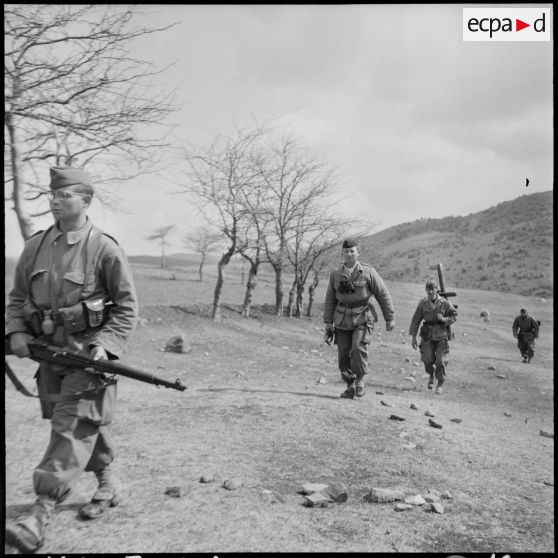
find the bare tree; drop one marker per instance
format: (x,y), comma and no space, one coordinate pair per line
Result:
(315,237)
(202,240)
(75,96)
(296,182)
(220,179)
(161,235)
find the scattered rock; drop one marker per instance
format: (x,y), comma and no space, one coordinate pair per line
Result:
(396,417)
(457,420)
(542,299)
(311,488)
(414,407)
(548,483)
(410,445)
(491,367)
(407,359)
(383,495)
(416,363)
(437,507)
(386,403)
(174,491)
(232,484)
(414,500)
(547,434)
(337,492)
(176,345)
(207,476)
(429,413)
(410,379)
(402,507)
(429,497)
(434,424)
(316,500)
(379,393)
(321,380)
(502,376)
(506,414)
(446,495)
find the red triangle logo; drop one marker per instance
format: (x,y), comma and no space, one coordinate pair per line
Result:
(519,25)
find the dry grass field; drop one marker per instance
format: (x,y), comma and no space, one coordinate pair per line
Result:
(255,412)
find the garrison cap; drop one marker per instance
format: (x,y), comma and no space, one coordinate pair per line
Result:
(523,311)
(66,176)
(431,284)
(350,243)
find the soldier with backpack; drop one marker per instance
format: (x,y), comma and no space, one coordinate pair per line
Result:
(525,329)
(73,287)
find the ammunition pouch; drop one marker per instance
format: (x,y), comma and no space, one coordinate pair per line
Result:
(33,315)
(83,315)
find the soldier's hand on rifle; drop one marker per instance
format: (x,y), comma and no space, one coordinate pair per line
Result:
(414,342)
(390,325)
(19,344)
(98,352)
(440,317)
(329,329)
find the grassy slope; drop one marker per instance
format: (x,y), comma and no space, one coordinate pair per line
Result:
(255,411)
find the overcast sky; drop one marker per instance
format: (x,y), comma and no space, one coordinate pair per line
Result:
(416,122)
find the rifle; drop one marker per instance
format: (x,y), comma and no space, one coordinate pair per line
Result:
(442,292)
(41,351)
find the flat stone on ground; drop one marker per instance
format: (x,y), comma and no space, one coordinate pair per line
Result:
(311,488)
(316,500)
(382,495)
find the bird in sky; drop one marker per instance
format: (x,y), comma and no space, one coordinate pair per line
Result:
(526,182)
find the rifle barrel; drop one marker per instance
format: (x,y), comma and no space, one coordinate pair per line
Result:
(68,358)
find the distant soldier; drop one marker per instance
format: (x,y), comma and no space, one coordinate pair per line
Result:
(350,315)
(437,315)
(525,329)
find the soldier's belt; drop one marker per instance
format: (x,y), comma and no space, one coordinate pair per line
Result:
(354,304)
(432,323)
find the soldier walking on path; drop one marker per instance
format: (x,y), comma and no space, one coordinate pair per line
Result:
(437,315)
(73,288)
(350,315)
(525,329)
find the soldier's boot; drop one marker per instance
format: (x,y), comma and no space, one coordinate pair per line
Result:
(349,393)
(359,389)
(439,388)
(107,495)
(431,381)
(27,533)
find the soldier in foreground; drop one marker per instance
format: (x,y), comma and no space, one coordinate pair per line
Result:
(349,315)
(525,329)
(437,314)
(73,287)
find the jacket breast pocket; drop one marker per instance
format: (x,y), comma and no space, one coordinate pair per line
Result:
(72,285)
(361,289)
(39,285)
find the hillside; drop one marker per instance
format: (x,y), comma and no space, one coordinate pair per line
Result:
(506,248)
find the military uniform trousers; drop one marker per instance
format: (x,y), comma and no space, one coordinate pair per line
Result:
(526,344)
(434,355)
(352,347)
(78,439)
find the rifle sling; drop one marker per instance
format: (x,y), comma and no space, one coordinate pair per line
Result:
(55,397)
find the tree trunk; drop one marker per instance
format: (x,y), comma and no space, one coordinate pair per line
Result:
(250,286)
(200,271)
(278,290)
(225,259)
(290,304)
(25,224)
(311,290)
(299,298)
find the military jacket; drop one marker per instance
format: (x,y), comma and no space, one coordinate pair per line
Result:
(349,310)
(52,273)
(427,311)
(525,325)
